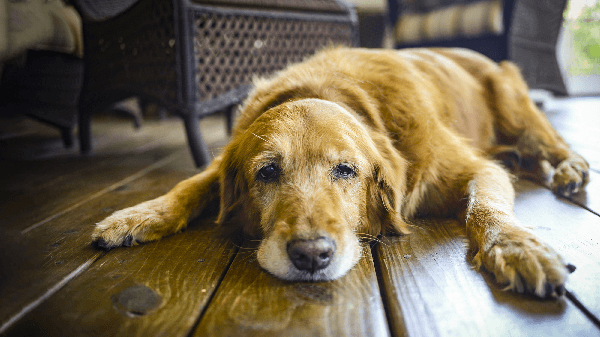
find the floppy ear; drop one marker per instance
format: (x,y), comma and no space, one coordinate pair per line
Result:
(231,190)
(386,190)
(234,206)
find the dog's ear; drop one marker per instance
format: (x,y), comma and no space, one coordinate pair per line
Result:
(234,206)
(231,191)
(386,190)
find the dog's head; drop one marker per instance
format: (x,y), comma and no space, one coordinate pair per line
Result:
(309,178)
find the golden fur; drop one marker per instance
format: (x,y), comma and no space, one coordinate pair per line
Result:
(359,141)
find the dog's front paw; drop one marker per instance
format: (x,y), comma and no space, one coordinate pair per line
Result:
(148,221)
(525,264)
(570,176)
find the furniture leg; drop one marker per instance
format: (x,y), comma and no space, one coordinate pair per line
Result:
(85,131)
(197,146)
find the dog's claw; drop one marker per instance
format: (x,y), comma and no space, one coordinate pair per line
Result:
(560,290)
(128,241)
(553,292)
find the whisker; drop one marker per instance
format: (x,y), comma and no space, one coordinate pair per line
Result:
(371,238)
(235,244)
(417,226)
(247,256)
(259,137)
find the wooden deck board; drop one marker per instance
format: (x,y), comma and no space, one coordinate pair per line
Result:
(55,184)
(578,122)
(590,197)
(72,189)
(433,291)
(109,299)
(251,302)
(56,249)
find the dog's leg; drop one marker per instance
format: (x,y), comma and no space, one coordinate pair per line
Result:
(513,254)
(543,155)
(167,214)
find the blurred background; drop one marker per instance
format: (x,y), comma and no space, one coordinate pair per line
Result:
(64,61)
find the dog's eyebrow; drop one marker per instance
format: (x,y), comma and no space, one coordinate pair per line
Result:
(263,158)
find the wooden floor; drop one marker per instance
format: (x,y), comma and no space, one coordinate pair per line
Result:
(54,283)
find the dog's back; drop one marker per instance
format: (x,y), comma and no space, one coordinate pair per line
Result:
(405,88)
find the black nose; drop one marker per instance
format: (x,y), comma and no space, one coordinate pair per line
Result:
(311,255)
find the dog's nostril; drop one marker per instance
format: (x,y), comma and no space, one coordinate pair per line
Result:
(311,255)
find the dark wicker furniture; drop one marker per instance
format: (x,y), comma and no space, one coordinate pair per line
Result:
(45,87)
(529,38)
(198,58)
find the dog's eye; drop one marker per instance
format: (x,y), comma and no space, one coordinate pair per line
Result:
(343,171)
(269,173)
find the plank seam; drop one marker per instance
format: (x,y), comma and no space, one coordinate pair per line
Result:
(110,188)
(575,202)
(46,295)
(582,307)
(214,293)
(382,290)
(569,199)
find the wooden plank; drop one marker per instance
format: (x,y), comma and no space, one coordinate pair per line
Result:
(155,289)
(42,142)
(578,122)
(55,185)
(74,187)
(590,197)
(251,302)
(587,147)
(431,290)
(52,254)
(573,232)
(28,140)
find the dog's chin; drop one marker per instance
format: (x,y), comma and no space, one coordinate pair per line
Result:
(295,274)
(272,257)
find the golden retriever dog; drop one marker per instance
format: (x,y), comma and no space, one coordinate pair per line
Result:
(358,142)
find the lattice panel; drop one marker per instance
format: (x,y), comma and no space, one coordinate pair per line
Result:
(231,49)
(136,57)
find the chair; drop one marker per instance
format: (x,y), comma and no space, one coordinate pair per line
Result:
(197,58)
(523,31)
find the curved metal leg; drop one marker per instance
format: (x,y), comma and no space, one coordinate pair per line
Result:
(197,146)
(66,134)
(229,115)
